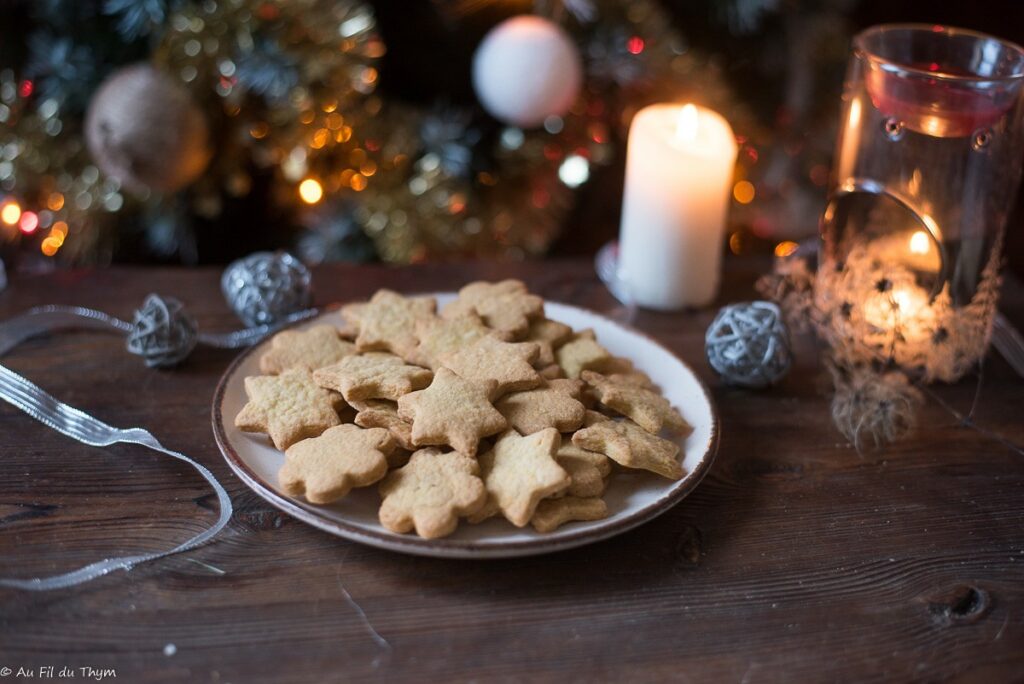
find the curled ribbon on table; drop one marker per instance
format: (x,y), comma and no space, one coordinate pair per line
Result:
(163,334)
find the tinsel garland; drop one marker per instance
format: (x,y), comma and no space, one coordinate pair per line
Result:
(290,88)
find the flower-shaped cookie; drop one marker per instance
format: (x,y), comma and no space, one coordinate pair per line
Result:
(325,468)
(430,493)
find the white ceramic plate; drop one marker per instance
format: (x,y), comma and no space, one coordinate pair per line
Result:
(633,497)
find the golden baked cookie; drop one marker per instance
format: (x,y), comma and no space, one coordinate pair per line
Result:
(452,411)
(430,493)
(326,468)
(373,375)
(553,513)
(384,414)
(288,407)
(316,347)
(505,306)
(440,336)
(587,470)
(520,471)
(646,408)
(554,404)
(631,446)
(548,335)
(580,353)
(388,321)
(489,360)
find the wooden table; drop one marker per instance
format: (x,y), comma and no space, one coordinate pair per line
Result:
(797,559)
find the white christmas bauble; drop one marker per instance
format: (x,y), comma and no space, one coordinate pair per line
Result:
(525,70)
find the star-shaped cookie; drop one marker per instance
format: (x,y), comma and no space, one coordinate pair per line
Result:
(631,446)
(374,375)
(384,414)
(506,364)
(520,471)
(430,493)
(439,336)
(621,370)
(554,404)
(553,513)
(452,411)
(388,321)
(505,306)
(587,469)
(326,468)
(646,408)
(313,348)
(581,353)
(548,335)
(288,407)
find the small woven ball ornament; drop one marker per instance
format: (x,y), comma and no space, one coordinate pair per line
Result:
(748,344)
(525,70)
(265,287)
(145,130)
(162,333)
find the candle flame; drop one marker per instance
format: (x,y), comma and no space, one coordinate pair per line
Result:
(686,124)
(919,243)
(903,301)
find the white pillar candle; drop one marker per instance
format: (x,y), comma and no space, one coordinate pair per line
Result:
(679,167)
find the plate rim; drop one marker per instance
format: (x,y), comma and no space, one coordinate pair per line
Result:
(446,547)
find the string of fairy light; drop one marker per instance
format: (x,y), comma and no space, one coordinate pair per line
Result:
(332,137)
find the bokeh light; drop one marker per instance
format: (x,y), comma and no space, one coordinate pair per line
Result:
(310,191)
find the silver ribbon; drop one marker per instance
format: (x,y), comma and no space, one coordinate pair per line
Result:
(80,426)
(52,318)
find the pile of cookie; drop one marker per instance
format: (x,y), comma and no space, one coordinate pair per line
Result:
(486,409)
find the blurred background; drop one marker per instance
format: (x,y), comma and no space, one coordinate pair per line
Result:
(195,132)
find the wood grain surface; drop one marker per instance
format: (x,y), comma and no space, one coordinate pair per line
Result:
(797,559)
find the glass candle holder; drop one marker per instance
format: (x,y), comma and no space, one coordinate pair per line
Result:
(927,167)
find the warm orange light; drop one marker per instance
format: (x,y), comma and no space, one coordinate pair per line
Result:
(320,138)
(785,248)
(55,202)
(736,243)
(358,182)
(310,191)
(59,228)
(744,192)
(50,245)
(10,212)
(919,243)
(686,124)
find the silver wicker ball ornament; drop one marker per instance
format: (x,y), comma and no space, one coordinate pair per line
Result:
(162,333)
(265,287)
(748,344)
